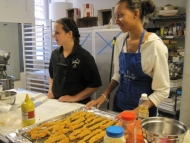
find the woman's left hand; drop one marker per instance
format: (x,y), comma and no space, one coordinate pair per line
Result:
(66,98)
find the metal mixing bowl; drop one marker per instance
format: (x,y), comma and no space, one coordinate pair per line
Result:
(163,130)
(8,97)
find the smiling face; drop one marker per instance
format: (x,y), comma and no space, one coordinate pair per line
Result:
(61,37)
(125,18)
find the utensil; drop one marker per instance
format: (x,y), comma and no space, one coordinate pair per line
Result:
(42,100)
(163,130)
(8,97)
(36,96)
(1,86)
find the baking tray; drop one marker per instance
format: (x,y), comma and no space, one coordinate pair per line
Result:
(19,136)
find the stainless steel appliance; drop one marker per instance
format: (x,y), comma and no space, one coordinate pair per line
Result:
(163,130)
(8,81)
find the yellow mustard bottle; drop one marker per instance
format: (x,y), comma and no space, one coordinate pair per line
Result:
(28,112)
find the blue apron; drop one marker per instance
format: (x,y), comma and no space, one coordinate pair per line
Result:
(133,81)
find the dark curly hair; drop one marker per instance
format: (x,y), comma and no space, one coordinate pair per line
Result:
(69,24)
(145,6)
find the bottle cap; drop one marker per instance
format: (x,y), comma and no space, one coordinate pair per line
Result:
(27,98)
(128,116)
(114,131)
(144,95)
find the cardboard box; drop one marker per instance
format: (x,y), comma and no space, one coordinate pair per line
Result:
(166,42)
(87,22)
(168,12)
(88,10)
(104,16)
(74,13)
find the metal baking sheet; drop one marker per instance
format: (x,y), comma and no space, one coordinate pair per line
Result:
(17,135)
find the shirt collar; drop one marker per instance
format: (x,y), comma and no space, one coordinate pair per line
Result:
(76,45)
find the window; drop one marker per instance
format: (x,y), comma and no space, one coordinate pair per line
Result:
(41,23)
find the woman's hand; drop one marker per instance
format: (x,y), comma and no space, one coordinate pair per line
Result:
(50,95)
(97,102)
(67,98)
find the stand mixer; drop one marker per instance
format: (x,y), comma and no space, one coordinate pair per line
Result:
(6,82)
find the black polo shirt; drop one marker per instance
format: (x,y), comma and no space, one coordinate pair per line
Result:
(73,74)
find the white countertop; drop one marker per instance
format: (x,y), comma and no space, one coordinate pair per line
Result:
(47,110)
(187,137)
(52,108)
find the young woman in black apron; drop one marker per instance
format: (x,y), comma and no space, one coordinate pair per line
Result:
(73,72)
(140,61)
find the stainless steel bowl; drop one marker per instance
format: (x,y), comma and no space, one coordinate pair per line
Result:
(8,97)
(8,82)
(163,130)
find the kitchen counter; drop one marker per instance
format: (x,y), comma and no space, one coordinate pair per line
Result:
(187,137)
(52,108)
(47,110)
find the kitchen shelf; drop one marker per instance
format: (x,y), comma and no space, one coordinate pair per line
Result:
(87,22)
(168,107)
(73,13)
(163,18)
(172,37)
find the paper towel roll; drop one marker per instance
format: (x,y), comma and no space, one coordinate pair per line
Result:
(58,10)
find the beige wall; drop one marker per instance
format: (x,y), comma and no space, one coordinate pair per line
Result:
(17,11)
(106,4)
(20,83)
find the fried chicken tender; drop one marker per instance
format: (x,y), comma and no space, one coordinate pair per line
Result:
(90,119)
(89,114)
(40,134)
(33,131)
(84,132)
(65,140)
(72,137)
(107,124)
(76,126)
(81,119)
(81,141)
(94,121)
(98,125)
(97,137)
(55,138)
(76,132)
(92,134)
(81,127)
(77,115)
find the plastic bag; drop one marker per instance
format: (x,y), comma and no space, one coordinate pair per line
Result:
(4,107)
(10,120)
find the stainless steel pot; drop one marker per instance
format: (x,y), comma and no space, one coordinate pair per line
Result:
(8,97)
(163,130)
(8,83)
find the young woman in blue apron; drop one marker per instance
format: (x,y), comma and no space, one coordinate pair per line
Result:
(134,75)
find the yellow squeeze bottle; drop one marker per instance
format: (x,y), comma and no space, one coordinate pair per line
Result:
(28,112)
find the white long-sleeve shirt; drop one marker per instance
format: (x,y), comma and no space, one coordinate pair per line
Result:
(154,60)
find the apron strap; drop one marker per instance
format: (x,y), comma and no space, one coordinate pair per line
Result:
(140,42)
(124,42)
